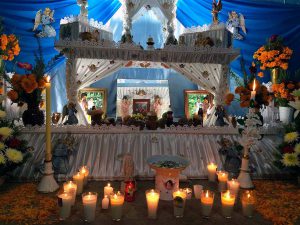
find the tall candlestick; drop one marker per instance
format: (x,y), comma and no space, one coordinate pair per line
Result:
(71,187)
(248,201)
(105,202)
(78,179)
(253,92)
(207,200)
(48,120)
(233,186)
(89,201)
(222,178)
(116,202)
(227,200)
(64,203)
(152,197)
(108,190)
(85,172)
(179,199)
(212,169)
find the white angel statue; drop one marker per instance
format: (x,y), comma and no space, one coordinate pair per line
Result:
(45,19)
(234,23)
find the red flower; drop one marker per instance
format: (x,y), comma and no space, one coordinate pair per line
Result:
(14,143)
(288,149)
(26,66)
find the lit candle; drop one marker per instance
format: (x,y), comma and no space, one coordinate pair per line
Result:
(116,202)
(189,193)
(71,187)
(212,169)
(89,201)
(233,186)
(207,201)
(248,201)
(152,197)
(105,202)
(179,198)
(222,178)
(48,120)
(108,190)
(227,200)
(78,179)
(85,172)
(65,203)
(198,190)
(253,92)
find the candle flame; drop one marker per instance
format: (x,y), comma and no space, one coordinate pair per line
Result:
(115,196)
(105,196)
(248,195)
(48,79)
(118,193)
(108,185)
(227,195)
(254,85)
(206,195)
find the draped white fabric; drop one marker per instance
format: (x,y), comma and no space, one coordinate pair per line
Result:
(100,152)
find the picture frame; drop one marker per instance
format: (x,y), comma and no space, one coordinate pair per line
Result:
(94,97)
(193,100)
(141,106)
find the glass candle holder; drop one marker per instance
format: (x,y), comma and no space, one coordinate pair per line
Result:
(248,202)
(189,193)
(85,172)
(227,200)
(234,187)
(89,200)
(211,170)
(108,189)
(198,190)
(64,203)
(71,187)
(207,201)
(116,205)
(179,199)
(222,178)
(152,197)
(78,179)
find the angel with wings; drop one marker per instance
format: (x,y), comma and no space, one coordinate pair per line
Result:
(217,7)
(234,23)
(45,19)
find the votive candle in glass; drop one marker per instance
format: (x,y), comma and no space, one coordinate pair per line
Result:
(227,200)
(212,169)
(198,190)
(179,199)
(152,197)
(189,193)
(105,202)
(108,189)
(65,203)
(207,201)
(78,179)
(222,178)
(233,186)
(71,187)
(116,205)
(89,200)
(85,172)
(248,202)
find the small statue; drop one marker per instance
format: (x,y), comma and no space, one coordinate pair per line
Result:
(127,166)
(70,111)
(217,7)
(234,23)
(171,40)
(96,116)
(221,114)
(45,20)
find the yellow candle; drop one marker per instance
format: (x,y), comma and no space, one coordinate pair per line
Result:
(227,200)
(212,169)
(233,186)
(222,178)
(207,200)
(85,172)
(78,179)
(152,197)
(116,202)
(48,120)
(248,202)
(179,198)
(71,187)
(108,190)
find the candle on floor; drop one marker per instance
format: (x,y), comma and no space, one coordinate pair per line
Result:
(233,186)
(65,203)
(105,202)
(189,193)
(89,201)
(71,187)
(108,190)
(222,178)
(85,172)
(212,169)
(227,200)
(179,199)
(116,203)
(248,201)
(207,201)
(198,190)
(78,179)
(152,197)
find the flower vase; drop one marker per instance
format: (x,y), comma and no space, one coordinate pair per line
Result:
(33,116)
(274,75)
(285,114)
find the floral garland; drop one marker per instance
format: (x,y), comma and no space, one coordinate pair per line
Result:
(284,92)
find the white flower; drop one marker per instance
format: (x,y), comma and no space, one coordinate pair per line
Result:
(295,105)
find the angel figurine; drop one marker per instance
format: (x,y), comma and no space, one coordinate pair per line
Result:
(217,7)
(234,23)
(45,19)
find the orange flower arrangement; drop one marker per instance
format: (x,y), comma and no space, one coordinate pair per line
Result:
(9,46)
(274,54)
(283,92)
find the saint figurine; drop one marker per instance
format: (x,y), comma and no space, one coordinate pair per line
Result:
(70,111)
(157,106)
(45,19)
(234,23)
(125,105)
(221,114)
(216,8)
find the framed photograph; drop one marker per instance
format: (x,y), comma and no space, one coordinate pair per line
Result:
(93,97)
(141,106)
(194,100)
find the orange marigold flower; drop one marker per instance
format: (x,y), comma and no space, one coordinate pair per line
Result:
(260,74)
(15,78)
(12,38)
(229,98)
(239,89)
(244,104)
(4,57)
(290,86)
(13,95)
(31,77)
(4,40)
(42,83)
(28,85)
(284,66)
(263,68)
